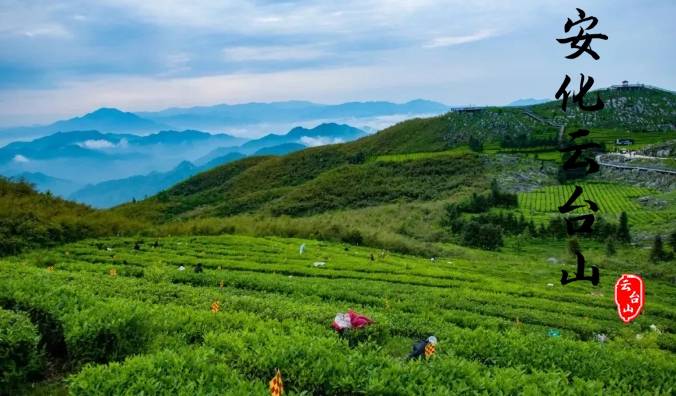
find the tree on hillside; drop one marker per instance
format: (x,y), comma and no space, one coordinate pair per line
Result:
(657,253)
(610,247)
(672,240)
(477,203)
(500,198)
(623,229)
(357,159)
(476,144)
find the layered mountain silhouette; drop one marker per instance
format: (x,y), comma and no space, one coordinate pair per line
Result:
(44,183)
(115,192)
(224,115)
(64,162)
(296,139)
(281,149)
(105,120)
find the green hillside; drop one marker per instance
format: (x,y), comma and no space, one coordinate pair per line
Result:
(390,189)
(267,184)
(29,219)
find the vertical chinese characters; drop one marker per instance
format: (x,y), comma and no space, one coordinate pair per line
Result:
(579,164)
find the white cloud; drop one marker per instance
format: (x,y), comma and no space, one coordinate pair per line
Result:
(98,144)
(272,53)
(319,141)
(448,41)
(177,63)
(360,50)
(48,31)
(20,159)
(330,85)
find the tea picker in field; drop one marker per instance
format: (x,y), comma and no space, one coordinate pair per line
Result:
(198,268)
(423,348)
(350,320)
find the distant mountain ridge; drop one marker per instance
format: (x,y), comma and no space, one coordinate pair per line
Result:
(281,149)
(527,102)
(97,144)
(335,133)
(221,117)
(218,116)
(114,192)
(297,138)
(105,120)
(103,147)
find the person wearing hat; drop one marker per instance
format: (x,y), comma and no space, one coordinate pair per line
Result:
(420,346)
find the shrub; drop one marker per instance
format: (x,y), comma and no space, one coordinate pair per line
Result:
(483,236)
(186,372)
(93,337)
(29,220)
(20,355)
(353,237)
(502,199)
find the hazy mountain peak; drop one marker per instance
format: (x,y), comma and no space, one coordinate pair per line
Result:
(527,102)
(109,114)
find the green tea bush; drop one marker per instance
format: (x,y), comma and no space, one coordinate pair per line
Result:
(276,309)
(106,332)
(20,354)
(184,372)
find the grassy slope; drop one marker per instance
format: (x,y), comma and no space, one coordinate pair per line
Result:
(274,185)
(29,219)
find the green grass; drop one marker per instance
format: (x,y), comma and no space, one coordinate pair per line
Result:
(422,155)
(490,311)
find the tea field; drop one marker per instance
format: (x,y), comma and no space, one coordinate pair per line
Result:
(110,319)
(612,199)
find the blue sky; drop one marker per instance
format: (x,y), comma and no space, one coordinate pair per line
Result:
(64,58)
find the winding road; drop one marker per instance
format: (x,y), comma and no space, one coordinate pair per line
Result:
(640,168)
